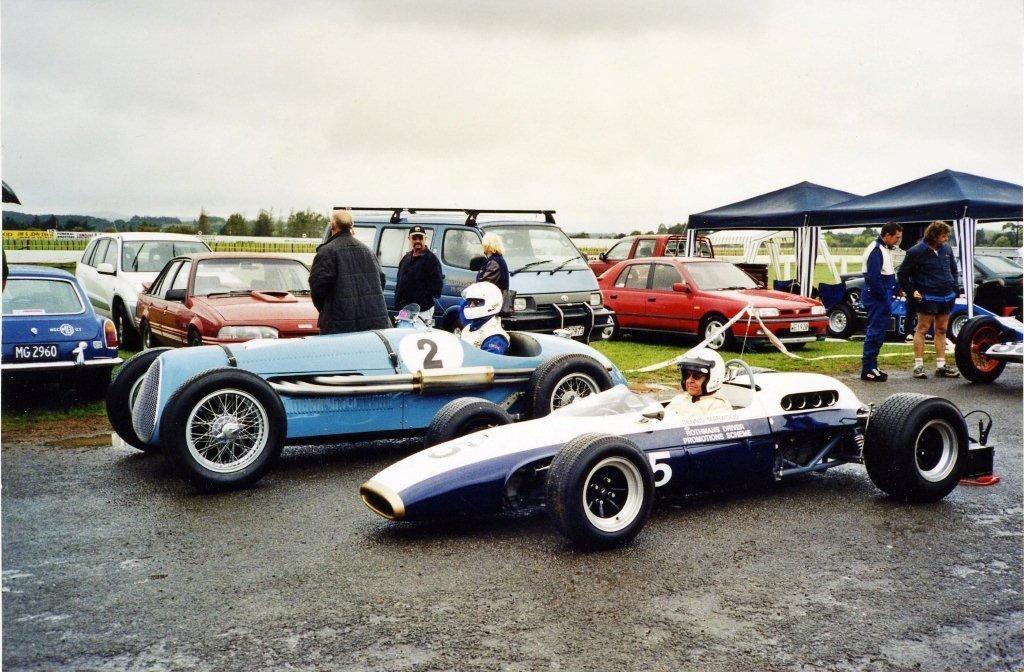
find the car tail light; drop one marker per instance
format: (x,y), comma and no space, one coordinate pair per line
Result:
(110,333)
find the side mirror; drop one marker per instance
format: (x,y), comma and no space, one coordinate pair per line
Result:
(477,262)
(105,268)
(680,287)
(175,295)
(146,286)
(602,256)
(655,415)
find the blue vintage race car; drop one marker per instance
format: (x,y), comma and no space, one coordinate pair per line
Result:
(50,329)
(597,465)
(221,414)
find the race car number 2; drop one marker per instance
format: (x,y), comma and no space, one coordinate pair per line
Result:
(430,351)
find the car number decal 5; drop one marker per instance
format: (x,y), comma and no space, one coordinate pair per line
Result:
(430,351)
(662,471)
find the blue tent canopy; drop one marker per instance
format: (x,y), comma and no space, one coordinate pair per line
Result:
(945,195)
(782,209)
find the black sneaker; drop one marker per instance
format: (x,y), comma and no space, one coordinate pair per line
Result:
(874,376)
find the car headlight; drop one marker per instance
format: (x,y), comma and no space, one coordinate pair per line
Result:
(595,299)
(766,312)
(519,304)
(246,333)
(817,310)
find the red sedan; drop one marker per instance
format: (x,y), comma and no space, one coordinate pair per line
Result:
(697,296)
(226,298)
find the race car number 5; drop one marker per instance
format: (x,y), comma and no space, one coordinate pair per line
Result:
(662,471)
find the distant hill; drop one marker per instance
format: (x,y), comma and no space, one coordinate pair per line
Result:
(13,220)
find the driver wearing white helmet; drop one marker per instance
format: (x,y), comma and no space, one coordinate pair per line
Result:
(481,303)
(701,374)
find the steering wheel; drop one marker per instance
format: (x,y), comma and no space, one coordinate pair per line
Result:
(735,365)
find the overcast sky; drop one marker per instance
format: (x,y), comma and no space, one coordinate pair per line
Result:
(619,115)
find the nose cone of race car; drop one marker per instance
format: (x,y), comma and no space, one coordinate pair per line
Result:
(382,500)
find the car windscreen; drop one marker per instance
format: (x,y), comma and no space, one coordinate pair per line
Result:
(226,276)
(40,296)
(710,275)
(149,256)
(537,247)
(998,265)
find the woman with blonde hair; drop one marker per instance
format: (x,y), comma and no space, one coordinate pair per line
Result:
(495,270)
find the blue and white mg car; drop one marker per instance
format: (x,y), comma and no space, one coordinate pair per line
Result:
(221,414)
(597,465)
(51,330)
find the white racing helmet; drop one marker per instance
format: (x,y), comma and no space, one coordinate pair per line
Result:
(706,361)
(481,300)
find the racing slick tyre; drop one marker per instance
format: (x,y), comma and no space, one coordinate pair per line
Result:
(711,324)
(460,417)
(223,429)
(124,388)
(842,321)
(915,447)
(560,381)
(976,335)
(599,490)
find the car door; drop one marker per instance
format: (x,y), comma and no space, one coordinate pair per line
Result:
(156,314)
(92,281)
(666,308)
(620,251)
(84,271)
(175,318)
(628,296)
(458,248)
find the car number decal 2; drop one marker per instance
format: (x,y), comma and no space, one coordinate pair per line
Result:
(430,351)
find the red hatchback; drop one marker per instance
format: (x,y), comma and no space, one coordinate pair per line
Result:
(226,298)
(697,296)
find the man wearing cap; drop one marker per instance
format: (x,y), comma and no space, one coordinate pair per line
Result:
(346,283)
(419,277)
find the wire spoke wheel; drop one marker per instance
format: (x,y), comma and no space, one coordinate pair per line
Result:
(613,494)
(571,387)
(227,430)
(935,450)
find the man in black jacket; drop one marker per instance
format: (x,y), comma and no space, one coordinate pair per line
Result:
(419,277)
(346,282)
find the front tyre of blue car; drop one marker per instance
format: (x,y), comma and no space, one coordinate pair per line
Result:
(124,388)
(223,429)
(599,491)
(915,447)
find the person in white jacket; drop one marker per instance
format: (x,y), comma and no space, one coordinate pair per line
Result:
(701,374)
(481,303)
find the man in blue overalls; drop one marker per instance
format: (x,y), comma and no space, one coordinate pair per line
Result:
(880,289)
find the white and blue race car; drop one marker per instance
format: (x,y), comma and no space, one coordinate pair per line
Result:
(221,414)
(597,464)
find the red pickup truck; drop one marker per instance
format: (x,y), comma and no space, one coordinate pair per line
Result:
(637,247)
(665,245)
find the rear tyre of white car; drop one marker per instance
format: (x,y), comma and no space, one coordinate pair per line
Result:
(915,447)
(560,381)
(460,417)
(599,491)
(127,336)
(223,429)
(124,388)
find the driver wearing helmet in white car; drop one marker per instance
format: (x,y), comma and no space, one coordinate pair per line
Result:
(481,303)
(701,374)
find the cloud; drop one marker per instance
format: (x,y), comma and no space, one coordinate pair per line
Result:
(619,115)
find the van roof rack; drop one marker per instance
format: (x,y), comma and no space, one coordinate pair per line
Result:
(471,213)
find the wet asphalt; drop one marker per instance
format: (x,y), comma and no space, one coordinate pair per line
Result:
(110,563)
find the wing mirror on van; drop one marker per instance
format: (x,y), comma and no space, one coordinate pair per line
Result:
(477,262)
(105,268)
(680,287)
(175,295)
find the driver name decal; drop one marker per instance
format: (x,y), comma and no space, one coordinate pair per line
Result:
(710,433)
